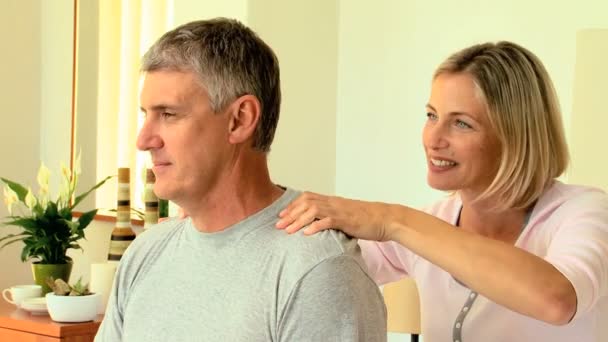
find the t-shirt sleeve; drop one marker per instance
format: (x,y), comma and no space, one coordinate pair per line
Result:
(112,324)
(335,301)
(579,248)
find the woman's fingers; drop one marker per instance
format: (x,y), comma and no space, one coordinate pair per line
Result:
(302,220)
(297,210)
(318,225)
(290,214)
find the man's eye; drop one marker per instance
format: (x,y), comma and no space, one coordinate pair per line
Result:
(167,115)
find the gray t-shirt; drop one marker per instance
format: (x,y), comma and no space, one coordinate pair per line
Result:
(249,282)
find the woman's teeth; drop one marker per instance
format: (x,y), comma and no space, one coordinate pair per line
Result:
(439,162)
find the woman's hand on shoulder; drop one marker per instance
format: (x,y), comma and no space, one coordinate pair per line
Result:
(316,212)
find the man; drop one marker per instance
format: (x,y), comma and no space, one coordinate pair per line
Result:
(211,98)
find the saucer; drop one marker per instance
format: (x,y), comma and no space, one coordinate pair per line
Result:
(35,306)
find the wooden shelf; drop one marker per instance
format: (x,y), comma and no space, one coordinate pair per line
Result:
(110,218)
(19,325)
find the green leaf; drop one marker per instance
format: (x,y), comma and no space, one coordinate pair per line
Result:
(86,218)
(51,209)
(25,253)
(11,242)
(66,213)
(81,197)
(73,226)
(28,224)
(13,235)
(19,189)
(140,214)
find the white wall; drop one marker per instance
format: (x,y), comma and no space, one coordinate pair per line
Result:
(20,93)
(303,154)
(36,69)
(590,114)
(56,85)
(189,10)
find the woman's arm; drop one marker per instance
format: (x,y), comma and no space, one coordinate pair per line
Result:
(509,276)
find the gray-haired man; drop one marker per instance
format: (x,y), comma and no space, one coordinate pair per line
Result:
(211,97)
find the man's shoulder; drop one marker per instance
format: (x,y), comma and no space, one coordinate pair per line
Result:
(322,245)
(297,254)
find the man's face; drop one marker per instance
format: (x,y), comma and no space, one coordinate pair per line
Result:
(187,141)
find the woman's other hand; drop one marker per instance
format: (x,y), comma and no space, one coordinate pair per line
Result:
(363,220)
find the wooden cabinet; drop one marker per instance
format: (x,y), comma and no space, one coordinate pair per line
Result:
(18,325)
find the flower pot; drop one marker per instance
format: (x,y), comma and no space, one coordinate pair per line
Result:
(73,308)
(43,271)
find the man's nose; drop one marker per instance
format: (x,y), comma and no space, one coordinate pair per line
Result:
(148,138)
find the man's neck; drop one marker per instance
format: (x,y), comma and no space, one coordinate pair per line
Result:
(233,198)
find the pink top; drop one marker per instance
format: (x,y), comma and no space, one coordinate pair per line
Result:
(568,228)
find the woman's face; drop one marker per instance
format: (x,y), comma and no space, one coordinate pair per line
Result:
(461,148)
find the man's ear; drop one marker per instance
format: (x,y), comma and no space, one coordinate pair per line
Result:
(245,113)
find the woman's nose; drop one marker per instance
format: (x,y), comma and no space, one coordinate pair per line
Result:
(435,136)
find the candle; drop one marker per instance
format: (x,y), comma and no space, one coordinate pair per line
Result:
(102,277)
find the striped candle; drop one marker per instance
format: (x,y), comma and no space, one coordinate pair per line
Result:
(122,235)
(151,201)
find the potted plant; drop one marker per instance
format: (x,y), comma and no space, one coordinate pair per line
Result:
(71,303)
(49,229)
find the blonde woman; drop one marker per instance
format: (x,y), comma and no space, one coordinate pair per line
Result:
(511,254)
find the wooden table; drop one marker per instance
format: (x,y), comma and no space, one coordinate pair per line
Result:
(17,325)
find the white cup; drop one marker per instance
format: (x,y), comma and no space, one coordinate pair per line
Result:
(20,292)
(102,277)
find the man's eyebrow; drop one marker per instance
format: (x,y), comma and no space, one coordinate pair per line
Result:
(158,108)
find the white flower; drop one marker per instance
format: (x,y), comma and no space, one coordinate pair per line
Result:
(10,198)
(77,168)
(43,201)
(65,172)
(65,190)
(43,181)
(43,178)
(30,200)
(76,171)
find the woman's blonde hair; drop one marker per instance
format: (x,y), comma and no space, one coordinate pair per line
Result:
(523,112)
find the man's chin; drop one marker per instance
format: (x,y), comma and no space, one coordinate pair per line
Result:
(163,192)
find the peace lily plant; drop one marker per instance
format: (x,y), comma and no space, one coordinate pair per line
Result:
(48,227)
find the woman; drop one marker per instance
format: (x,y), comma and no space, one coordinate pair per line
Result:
(512,253)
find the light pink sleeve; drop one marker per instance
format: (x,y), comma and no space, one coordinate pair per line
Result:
(386,261)
(579,248)
(389,261)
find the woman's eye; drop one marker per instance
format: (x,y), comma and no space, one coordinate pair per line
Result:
(431,116)
(462,124)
